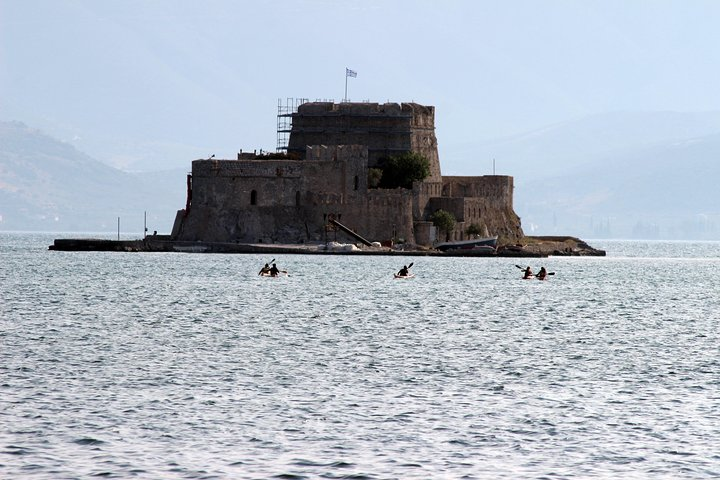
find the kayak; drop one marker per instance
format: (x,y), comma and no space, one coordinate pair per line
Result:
(403,277)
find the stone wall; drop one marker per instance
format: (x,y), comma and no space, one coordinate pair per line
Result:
(496,189)
(289,201)
(484,212)
(422,193)
(425,233)
(386,129)
(381,216)
(485,201)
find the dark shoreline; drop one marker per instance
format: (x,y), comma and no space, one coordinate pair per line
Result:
(537,247)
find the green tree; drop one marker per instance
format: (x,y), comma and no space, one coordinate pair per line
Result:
(404,169)
(474,229)
(443,221)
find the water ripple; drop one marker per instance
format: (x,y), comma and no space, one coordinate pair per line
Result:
(192,366)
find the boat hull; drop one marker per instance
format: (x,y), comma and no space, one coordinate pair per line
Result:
(480,243)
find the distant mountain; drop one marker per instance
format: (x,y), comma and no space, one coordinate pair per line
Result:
(620,175)
(49,185)
(572,146)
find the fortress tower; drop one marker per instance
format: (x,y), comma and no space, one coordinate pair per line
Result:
(386,130)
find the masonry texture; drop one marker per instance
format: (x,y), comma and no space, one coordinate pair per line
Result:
(257,199)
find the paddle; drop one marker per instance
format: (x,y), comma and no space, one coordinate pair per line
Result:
(406,269)
(534,275)
(280,271)
(523,268)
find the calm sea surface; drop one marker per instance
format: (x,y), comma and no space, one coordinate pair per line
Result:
(143,365)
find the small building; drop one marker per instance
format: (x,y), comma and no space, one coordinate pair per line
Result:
(291,197)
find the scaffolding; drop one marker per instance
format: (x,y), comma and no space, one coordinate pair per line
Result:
(284,120)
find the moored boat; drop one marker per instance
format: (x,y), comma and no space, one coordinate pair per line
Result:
(480,243)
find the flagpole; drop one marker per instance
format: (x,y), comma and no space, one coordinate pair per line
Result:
(348,73)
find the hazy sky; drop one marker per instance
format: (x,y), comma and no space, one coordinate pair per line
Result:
(173,80)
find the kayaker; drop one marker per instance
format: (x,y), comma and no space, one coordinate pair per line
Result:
(541,274)
(274,271)
(404,272)
(528,273)
(265,270)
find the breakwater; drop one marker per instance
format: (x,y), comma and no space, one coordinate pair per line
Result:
(536,247)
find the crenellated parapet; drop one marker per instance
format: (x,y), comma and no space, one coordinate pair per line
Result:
(337,153)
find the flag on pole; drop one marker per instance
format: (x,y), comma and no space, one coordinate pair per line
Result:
(350,73)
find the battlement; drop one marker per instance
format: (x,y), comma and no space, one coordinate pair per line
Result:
(253,166)
(246,168)
(401,110)
(334,153)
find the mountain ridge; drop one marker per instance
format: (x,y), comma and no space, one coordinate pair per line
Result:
(48,184)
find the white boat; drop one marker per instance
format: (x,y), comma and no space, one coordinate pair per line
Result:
(409,275)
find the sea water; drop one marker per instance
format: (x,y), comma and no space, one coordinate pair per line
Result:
(176,365)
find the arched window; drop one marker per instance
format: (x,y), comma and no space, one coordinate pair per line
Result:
(253,197)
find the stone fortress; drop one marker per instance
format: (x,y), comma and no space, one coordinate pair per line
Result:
(292,198)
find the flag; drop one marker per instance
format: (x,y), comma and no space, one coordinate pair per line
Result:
(350,73)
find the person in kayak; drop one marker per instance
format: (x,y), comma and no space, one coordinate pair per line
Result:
(274,272)
(265,270)
(541,274)
(528,273)
(404,272)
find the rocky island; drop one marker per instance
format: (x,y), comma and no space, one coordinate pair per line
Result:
(352,178)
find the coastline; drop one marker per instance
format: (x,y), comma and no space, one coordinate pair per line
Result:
(530,247)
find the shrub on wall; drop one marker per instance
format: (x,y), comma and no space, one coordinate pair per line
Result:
(374,177)
(278,156)
(474,229)
(404,169)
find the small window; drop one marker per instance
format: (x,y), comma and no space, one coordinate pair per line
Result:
(297,198)
(253,197)
(357,181)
